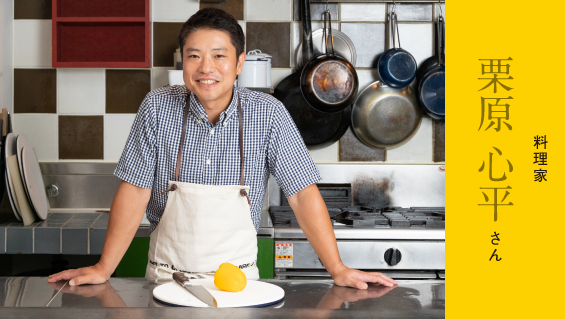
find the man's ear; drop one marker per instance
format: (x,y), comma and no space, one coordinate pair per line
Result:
(240,61)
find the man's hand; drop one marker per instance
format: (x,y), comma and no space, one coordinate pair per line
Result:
(344,276)
(88,275)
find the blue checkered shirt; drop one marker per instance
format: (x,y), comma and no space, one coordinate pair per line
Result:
(272,145)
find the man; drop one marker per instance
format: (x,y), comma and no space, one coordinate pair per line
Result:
(197,161)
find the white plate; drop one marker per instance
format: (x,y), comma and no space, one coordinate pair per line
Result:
(21,142)
(33,182)
(10,149)
(255,294)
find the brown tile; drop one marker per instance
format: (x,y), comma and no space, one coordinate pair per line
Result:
(273,38)
(439,141)
(35,90)
(316,10)
(233,7)
(165,42)
(126,89)
(81,137)
(32,9)
(353,150)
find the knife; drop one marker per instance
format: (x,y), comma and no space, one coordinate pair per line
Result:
(57,294)
(198,291)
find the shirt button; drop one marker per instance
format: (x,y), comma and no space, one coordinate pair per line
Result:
(208,162)
(212,132)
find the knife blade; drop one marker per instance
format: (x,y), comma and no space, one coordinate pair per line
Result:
(198,291)
(57,294)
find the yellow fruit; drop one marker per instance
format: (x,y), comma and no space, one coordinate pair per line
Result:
(230,278)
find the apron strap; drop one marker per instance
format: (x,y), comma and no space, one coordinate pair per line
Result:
(242,192)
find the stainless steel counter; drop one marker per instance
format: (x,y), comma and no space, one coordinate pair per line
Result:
(132,298)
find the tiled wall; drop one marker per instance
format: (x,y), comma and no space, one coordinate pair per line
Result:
(86,113)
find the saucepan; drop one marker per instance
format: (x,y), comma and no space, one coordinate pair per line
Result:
(396,66)
(329,82)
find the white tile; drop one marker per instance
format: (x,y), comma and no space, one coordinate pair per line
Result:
(418,149)
(272,10)
(160,77)
(413,12)
(43,132)
(32,43)
(327,154)
(369,41)
(417,39)
(6,61)
(116,132)
(173,10)
(367,77)
(297,38)
(363,12)
(277,75)
(81,91)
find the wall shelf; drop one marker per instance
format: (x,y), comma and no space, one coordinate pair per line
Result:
(101,34)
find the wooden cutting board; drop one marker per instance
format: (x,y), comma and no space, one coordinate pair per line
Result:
(255,294)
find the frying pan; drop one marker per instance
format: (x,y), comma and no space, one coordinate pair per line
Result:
(384,117)
(342,43)
(329,82)
(433,61)
(432,86)
(318,129)
(396,66)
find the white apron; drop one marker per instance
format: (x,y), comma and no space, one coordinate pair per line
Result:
(204,226)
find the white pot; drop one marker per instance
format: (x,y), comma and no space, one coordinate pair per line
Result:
(256,71)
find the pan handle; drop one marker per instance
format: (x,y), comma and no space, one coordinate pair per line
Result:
(329,14)
(307,44)
(441,40)
(393,29)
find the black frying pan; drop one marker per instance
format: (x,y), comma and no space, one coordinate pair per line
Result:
(318,129)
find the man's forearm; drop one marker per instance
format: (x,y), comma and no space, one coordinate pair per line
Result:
(126,213)
(313,217)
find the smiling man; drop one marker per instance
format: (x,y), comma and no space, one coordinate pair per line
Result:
(197,162)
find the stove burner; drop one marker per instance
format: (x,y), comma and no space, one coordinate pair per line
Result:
(371,217)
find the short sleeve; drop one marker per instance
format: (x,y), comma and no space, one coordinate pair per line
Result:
(288,158)
(138,161)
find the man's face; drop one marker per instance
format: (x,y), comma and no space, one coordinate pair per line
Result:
(210,65)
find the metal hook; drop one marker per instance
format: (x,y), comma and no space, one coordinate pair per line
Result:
(327,5)
(440,10)
(393,6)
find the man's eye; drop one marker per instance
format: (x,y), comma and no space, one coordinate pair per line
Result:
(220,56)
(194,56)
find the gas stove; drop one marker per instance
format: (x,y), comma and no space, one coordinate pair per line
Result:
(402,242)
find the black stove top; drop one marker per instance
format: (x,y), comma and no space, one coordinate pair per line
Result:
(370,217)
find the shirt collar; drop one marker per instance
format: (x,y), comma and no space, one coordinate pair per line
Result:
(198,111)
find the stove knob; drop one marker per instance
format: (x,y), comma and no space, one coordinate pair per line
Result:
(392,256)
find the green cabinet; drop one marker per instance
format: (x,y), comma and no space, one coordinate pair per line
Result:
(135,259)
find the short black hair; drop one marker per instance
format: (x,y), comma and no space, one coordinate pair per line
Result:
(216,19)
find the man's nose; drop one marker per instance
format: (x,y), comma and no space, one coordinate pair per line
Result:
(207,65)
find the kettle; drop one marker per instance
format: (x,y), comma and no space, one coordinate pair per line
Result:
(256,71)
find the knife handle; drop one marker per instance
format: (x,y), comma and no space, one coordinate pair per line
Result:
(181,278)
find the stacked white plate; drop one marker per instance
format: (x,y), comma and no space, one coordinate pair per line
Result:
(24,182)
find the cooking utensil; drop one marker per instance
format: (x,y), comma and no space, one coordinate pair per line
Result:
(432,86)
(33,182)
(10,149)
(384,117)
(47,305)
(255,71)
(318,129)
(396,66)
(342,44)
(198,291)
(329,82)
(255,294)
(439,54)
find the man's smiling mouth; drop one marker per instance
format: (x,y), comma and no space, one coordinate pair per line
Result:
(207,81)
